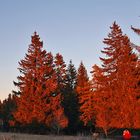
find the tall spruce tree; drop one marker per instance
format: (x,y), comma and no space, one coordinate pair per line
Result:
(137,74)
(124,83)
(60,68)
(70,102)
(37,85)
(85,96)
(115,93)
(101,100)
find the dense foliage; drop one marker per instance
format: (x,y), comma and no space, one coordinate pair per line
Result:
(55,98)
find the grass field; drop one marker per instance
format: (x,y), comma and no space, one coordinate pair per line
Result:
(16,136)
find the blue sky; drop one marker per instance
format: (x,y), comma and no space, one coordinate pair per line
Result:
(74,28)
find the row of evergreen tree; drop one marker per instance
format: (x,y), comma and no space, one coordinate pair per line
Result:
(54,98)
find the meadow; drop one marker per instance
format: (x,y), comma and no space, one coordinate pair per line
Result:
(18,136)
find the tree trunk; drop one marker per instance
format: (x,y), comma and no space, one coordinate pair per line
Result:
(105,131)
(58,130)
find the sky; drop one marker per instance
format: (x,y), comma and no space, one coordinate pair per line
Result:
(74,28)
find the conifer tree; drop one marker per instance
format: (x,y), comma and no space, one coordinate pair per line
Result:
(60,120)
(125,85)
(101,102)
(71,75)
(70,102)
(0,109)
(103,78)
(7,109)
(37,86)
(60,68)
(85,96)
(1,115)
(137,74)
(115,92)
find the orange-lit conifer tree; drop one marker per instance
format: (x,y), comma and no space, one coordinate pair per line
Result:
(85,96)
(60,68)
(115,90)
(137,74)
(60,120)
(100,99)
(37,86)
(125,86)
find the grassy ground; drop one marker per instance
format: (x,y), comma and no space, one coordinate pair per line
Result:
(16,136)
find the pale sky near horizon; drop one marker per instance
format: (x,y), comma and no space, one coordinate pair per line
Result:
(74,28)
